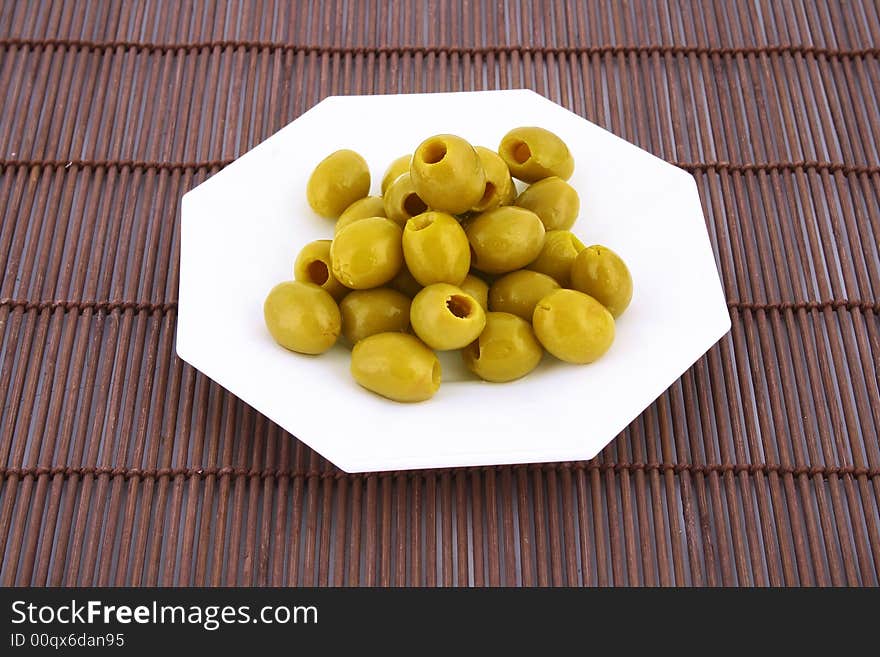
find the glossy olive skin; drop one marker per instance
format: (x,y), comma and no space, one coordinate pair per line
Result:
(505,239)
(302,317)
(447,173)
(506,350)
(367,253)
(397,366)
(313,265)
(339,180)
(556,258)
(368,312)
(499,188)
(555,202)
(368,206)
(436,249)
(445,317)
(477,288)
(573,326)
(533,153)
(402,202)
(519,292)
(398,167)
(601,273)
(405,283)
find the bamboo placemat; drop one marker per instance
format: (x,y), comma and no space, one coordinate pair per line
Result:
(121,465)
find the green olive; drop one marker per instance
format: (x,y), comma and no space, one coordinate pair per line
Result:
(367,312)
(339,180)
(477,288)
(554,201)
(369,206)
(401,200)
(395,169)
(447,173)
(499,188)
(436,249)
(397,366)
(519,292)
(405,283)
(313,266)
(505,239)
(559,252)
(445,317)
(573,326)
(507,349)
(367,253)
(601,273)
(302,317)
(534,153)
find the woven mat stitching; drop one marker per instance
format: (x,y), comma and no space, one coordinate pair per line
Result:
(607,49)
(810,165)
(170,306)
(589,466)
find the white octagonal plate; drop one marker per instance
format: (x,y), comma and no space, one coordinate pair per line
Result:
(242,229)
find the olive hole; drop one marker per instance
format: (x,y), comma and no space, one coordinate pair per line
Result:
(521,152)
(318,272)
(420,221)
(488,193)
(413,205)
(459,306)
(433,152)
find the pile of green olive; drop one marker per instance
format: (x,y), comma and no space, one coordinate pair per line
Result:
(451,257)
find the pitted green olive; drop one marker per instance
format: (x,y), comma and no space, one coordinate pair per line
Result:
(395,169)
(478,289)
(519,292)
(499,188)
(447,173)
(302,317)
(436,249)
(505,239)
(601,273)
(556,258)
(313,265)
(534,153)
(367,253)
(506,350)
(445,317)
(402,202)
(367,312)
(556,203)
(405,283)
(573,326)
(339,180)
(369,206)
(397,366)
